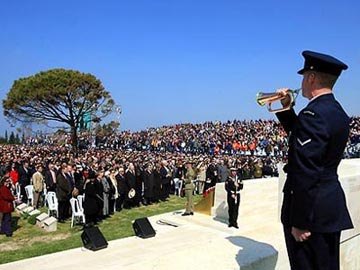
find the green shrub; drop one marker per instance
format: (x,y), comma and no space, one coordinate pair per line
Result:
(32,219)
(25,215)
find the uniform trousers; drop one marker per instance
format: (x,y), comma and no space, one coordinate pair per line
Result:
(319,252)
(233,208)
(189,189)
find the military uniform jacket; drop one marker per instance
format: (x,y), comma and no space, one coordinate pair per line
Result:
(313,196)
(189,177)
(233,185)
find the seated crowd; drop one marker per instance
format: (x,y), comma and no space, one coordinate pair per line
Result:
(253,137)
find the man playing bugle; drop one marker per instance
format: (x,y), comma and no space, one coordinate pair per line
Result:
(314,210)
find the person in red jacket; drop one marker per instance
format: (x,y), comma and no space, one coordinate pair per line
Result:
(6,205)
(14,175)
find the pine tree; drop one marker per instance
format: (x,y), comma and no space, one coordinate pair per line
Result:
(17,139)
(6,136)
(12,138)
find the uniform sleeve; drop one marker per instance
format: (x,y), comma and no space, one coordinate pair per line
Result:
(227,187)
(287,119)
(310,144)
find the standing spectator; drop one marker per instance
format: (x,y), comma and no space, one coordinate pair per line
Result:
(258,168)
(157,182)
(92,203)
(148,179)
(223,171)
(121,189)
(63,193)
(113,195)
(6,206)
(24,179)
(38,185)
(79,180)
(166,174)
(130,180)
(211,176)
(14,175)
(50,178)
(106,193)
(201,169)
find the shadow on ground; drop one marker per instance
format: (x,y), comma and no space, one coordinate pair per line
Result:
(254,255)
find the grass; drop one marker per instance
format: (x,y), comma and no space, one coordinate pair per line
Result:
(31,241)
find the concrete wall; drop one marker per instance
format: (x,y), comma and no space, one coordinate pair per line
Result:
(260,210)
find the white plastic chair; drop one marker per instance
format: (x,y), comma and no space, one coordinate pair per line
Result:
(81,199)
(52,203)
(178,186)
(29,193)
(18,192)
(77,213)
(44,194)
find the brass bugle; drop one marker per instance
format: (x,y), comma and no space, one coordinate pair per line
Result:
(268,98)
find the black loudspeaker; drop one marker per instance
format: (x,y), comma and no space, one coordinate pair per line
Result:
(143,228)
(93,239)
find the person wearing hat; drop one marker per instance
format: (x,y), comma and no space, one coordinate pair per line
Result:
(233,185)
(314,210)
(190,176)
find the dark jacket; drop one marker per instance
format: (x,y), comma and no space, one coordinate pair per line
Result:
(49,181)
(24,176)
(92,203)
(233,186)
(165,177)
(121,184)
(130,180)
(63,188)
(313,197)
(148,179)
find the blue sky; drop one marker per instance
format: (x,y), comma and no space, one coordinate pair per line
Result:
(181,61)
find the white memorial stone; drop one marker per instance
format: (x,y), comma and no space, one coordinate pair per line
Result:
(34,212)
(40,219)
(28,209)
(21,207)
(50,224)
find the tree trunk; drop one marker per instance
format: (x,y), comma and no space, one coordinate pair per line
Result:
(74,138)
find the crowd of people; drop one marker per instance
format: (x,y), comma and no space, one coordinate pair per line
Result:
(248,137)
(131,169)
(115,179)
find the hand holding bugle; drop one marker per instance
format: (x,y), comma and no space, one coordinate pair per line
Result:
(285,96)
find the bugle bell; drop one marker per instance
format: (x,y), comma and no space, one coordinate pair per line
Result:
(269,98)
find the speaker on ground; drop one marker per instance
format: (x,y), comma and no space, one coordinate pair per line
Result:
(93,239)
(143,228)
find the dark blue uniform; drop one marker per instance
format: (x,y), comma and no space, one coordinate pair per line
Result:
(313,197)
(233,185)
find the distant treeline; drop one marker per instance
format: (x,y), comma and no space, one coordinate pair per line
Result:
(12,139)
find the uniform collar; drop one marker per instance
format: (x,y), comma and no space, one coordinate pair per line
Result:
(321,95)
